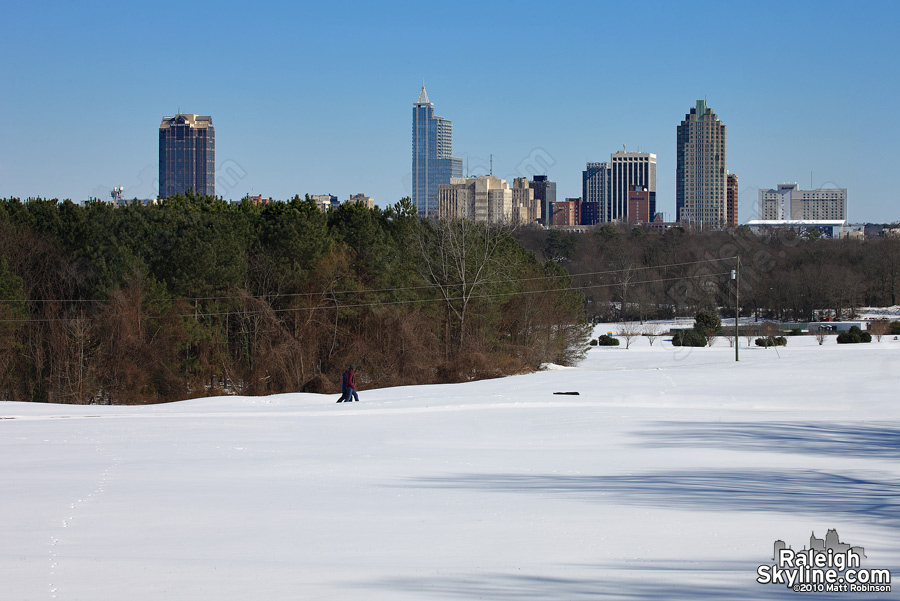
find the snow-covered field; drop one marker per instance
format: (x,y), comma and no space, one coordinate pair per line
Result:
(669,476)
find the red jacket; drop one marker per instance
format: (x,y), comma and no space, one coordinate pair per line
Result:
(349,382)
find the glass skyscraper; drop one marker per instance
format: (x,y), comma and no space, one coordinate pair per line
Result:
(432,163)
(187,155)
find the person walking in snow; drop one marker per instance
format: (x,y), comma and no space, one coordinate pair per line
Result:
(348,386)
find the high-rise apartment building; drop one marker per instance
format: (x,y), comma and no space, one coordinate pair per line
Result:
(628,169)
(731,217)
(187,155)
(545,195)
(789,203)
(596,186)
(701,195)
(432,160)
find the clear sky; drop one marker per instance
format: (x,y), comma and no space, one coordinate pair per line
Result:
(317,97)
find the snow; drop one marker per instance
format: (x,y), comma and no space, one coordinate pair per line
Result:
(669,476)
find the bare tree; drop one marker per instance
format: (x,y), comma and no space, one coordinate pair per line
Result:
(461,259)
(879,328)
(820,332)
(728,333)
(751,331)
(652,331)
(629,331)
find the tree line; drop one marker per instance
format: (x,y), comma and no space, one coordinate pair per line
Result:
(629,274)
(195,296)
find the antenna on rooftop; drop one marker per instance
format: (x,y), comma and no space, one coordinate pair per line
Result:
(492,164)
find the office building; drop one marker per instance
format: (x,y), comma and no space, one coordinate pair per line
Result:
(789,203)
(595,192)
(545,195)
(701,196)
(628,169)
(482,199)
(641,205)
(187,155)
(325,202)
(525,208)
(432,160)
(362,199)
(567,213)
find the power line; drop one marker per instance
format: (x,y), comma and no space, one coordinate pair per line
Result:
(330,293)
(338,306)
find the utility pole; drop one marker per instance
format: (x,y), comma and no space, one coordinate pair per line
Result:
(736,276)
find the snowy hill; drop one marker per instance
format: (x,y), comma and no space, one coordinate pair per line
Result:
(669,476)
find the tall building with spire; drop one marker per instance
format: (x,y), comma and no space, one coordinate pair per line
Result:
(701,178)
(187,155)
(432,160)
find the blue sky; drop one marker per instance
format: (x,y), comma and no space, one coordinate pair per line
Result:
(317,98)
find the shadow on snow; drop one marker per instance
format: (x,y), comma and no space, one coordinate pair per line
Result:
(856,496)
(819,438)
(713,580)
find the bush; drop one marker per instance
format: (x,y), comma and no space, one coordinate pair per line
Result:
(771,341)
(895,328)
(594,342)
(707,323)
(688,338)
(854,336)
(605,340)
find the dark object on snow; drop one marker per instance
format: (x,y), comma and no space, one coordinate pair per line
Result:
(573,392)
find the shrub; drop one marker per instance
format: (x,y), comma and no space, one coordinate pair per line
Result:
(605,340)
(707,323)
(688,338)
(854,336)
(895,328)
(594,342)
(771,341)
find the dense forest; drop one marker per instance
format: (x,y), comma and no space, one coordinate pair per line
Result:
(196,296)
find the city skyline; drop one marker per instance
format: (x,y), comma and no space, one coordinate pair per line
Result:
(340,123)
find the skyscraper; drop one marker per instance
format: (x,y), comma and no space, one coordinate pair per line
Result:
(432,160)
(731,217)
(595,190)
(545,195)
(628,169)
(700,175)
(187,155)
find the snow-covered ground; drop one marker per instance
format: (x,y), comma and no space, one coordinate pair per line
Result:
(670,476)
